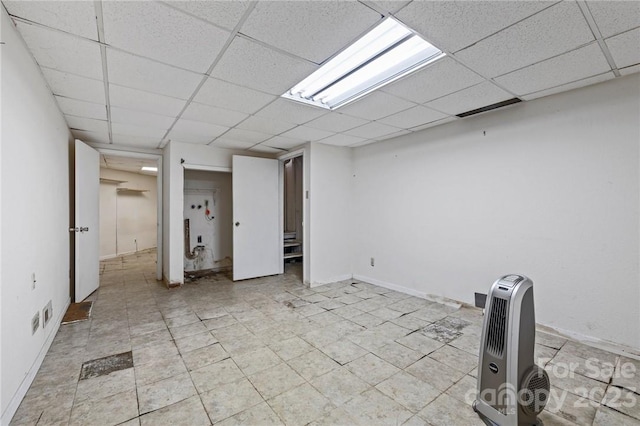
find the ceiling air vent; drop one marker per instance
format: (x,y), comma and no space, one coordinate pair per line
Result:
(490,107)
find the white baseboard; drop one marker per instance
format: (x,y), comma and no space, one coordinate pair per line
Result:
(391,286)
(31,374)
(331,280)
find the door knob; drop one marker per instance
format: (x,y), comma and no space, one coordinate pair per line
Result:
(74,229)
(237,223)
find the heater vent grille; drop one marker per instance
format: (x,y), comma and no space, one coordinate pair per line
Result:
(497,327)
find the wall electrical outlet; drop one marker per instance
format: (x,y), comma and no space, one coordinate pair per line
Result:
(35,323)
(373,262)
(47,311)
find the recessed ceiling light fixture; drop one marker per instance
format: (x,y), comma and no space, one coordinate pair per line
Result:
(383,55)
(149,169)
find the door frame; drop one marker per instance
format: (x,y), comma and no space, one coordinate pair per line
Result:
(306,223)
(159,218)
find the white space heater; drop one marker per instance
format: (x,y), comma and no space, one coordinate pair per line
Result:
(512,389)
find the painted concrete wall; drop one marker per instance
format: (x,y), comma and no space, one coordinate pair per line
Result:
(128,220)
(220,241)
(331,209)
(34,217)
(548,188)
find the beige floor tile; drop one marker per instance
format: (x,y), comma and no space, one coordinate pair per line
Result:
(256,361)
(300,405)
(623,400)
(187,412)
(571,407)
(212,375)
(339,385)
(182,320)
(197,341)
(260,414)
(343,351)
(227,399)
(371,369)
(374,408)
(100,387)
(187,330)
(435,373)
(561,376)
(165,392)
(111,410)
(204,356)
(465,390)
(161,369)
(455,358)
(398,355)
(312,364)
(449,411)
(276,380)
(419,342)
(147,354)
(606,416)
(409,391)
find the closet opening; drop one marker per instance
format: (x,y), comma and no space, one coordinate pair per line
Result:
(293,217)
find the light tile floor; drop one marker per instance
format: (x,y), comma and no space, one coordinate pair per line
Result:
(271,351)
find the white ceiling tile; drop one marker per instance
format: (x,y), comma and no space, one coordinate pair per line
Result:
(265,125)
(372,130)
(469,99)
(159,32)
(389,6)
(246,136)
(453,25)
(576,65)
(195,131)
(86,136)
(556,30)
(282,142)
(290,111)
(438,79)
(625,48)
(226,14)
(126,129)
(231,96)
(630,70)
(223,142)
(266,149)
(376,105)
(252,65)
(213,115)
(142,142)
(63,52)
(139,73)
(74,86)
(140,100)
(307,133)
(314,30)
(343,140)
(78,108)
(413,117)
(435,123)
(140,118)
(75,17)
(614,17)
(574,85)
(336,122)
(88,124)
(394,135)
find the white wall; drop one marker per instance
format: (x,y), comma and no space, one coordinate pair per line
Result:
(173,155)
(220,242)
(127,218)
(330,175)
(35,217)
(550,191)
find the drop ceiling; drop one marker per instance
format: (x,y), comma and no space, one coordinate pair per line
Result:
(141,74)
(127,164)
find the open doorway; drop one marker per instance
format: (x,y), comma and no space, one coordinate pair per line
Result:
(293,216)
(207,221)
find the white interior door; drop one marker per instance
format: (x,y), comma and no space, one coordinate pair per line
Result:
(86,228)
(257,235)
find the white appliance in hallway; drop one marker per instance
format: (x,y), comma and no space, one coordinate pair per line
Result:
(87,220)
(257,226)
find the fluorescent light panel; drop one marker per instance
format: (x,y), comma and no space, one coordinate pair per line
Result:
(386,53)
(149,169)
